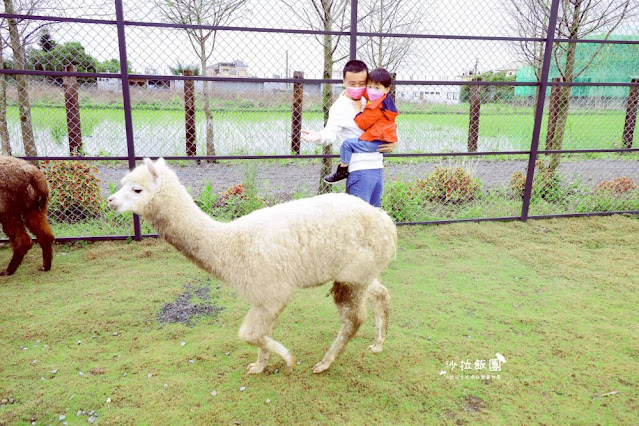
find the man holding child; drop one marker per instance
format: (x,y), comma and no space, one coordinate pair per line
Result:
(361,152)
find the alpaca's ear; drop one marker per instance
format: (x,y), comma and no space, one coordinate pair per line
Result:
(151,167)
(160,162)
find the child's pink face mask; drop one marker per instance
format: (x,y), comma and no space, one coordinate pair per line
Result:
(374,94)
(355,92)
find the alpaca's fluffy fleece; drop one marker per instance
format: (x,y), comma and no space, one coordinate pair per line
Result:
(23,204)
(265,255)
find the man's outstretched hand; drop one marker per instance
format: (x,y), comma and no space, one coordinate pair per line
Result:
(311,135)
(386,147)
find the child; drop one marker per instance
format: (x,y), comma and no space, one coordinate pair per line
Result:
(377,120)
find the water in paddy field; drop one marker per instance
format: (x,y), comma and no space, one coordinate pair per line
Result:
(259,137)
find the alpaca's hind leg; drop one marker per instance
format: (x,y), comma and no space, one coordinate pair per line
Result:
(379,299)
(255,330)
(352,309)
(37,223)
(262,357)
(20,243)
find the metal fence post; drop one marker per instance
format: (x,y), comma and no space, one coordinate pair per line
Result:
(296,119)
(473,121)
(189,114)
(353,36)
(72,104)
(539,110)
(126,102)
(631,115)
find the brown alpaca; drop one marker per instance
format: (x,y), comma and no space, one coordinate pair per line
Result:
(24,195)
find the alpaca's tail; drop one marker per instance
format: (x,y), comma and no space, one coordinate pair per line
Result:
(40,189)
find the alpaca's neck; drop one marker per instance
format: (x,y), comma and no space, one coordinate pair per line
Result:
(180,222)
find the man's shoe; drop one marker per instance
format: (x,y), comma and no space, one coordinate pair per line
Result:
(340,174)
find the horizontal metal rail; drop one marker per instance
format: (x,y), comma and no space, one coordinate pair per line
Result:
(306,32)
(305,80)
(315,156)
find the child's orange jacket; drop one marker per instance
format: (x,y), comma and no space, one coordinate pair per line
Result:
(378,120)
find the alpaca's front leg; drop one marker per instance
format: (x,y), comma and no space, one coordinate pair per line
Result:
(259,365)
(255,330)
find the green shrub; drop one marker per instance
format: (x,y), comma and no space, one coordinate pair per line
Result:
(399,201)
(546,184)
(234,202)
(452,185)
(75,191)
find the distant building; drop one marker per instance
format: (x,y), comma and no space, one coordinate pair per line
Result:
(109,84)
(115,84)
(434,94)
(509,70)
(235,69)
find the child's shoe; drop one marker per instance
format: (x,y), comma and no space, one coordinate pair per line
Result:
(340,174)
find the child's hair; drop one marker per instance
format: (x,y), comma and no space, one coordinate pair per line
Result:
(381,76)
(354,66)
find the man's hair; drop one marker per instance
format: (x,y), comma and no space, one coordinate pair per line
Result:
(381,76)
(354,66)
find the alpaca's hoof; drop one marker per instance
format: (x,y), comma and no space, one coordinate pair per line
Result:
(4,273)
(255,368)
(290,363)
(43,269)
(321,367)
(376,348)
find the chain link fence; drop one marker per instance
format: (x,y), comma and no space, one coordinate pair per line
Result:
(509,109)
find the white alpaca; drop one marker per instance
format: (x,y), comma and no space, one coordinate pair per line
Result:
(265,255)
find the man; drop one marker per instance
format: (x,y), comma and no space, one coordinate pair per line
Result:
(366,170)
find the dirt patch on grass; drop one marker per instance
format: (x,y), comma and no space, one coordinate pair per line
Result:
(473,404)
(194,302)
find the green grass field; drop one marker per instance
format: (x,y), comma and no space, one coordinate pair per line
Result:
(557,298)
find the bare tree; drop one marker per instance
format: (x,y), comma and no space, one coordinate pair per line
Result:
(530,19)
(324,15)
(576,19)
(20,64)
(19,34)
(203,12)
(4,128)
(384,16)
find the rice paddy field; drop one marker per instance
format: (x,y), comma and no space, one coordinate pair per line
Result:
(160,130)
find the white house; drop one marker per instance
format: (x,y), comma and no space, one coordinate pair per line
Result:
(434,94)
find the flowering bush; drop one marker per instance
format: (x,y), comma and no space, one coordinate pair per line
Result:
(75,191)
(448,185)
(545,183)
(236,201)
(618,186)
(233,193)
